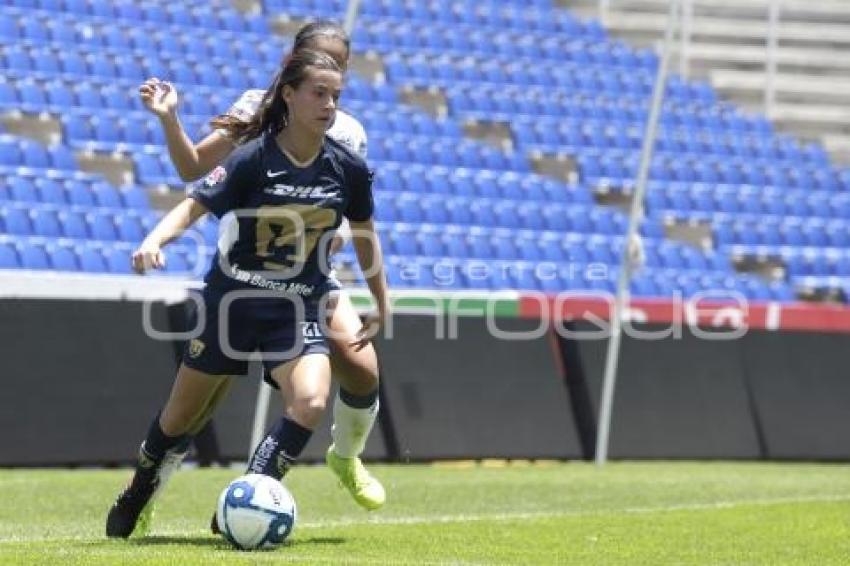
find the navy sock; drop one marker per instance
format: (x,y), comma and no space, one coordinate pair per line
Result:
(358,401)
(279,449)
(157,443)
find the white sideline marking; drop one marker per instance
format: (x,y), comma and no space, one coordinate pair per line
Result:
(418,520)
(472,518)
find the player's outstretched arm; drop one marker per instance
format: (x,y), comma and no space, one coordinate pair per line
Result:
(149,254)
(371,260)
(191,161)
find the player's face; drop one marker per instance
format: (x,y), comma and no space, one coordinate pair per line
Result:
(312,106)
(333,47)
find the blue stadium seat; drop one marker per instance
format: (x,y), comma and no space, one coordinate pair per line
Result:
(60,157)
(176,261)
(89,96)
(459,211)
(401,244)
(135,197)
(102,66)
(91,260)
(117,259)
(62,259)
(148,168)
(9,28)
(129,11)
(8,95)
(34,154)
(150,219)
(73,225)
(77,7)
(77,127)
(18,59)
(59,94)
(45,222)
(102,8)
(130,228)
(430,244)
(10,153)
(480,247)
(105,129)
(106,195)
(8,256)
(16,221)
(116,37)
(72,63)
(22,189)
(102,227)
(436,210)
(142,40)
(79,193)
(155,14)
(33,256)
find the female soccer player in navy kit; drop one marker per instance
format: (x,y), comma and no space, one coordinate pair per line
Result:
(356,406)
(289,187)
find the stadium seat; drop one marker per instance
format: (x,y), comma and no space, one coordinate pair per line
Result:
(106,196)
(33,256)
(63,259)
(45,222)
(16,221)
(91,260)
(102,227)
(8,256)
(73,225)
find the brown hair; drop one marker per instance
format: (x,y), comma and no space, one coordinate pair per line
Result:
(238,130)
(272,113)
(321,28)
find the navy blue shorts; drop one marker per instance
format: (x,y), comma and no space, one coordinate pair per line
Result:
(235,324)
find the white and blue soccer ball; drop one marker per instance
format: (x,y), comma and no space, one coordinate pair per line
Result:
(255,512)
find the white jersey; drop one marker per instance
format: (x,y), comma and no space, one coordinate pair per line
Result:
(346,129)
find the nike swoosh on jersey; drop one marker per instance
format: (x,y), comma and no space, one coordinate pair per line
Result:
(272,175)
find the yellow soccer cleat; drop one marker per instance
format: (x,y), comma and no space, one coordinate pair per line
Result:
(366,490)
(143,525)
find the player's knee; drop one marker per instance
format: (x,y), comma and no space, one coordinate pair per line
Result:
(361,383)
(358,376)
(308,410)
(175,421)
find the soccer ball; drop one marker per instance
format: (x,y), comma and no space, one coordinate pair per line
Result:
(255,511)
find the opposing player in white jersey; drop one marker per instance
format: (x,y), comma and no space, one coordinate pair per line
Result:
(356,369)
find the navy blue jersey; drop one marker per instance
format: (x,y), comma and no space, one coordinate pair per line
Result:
(285,214)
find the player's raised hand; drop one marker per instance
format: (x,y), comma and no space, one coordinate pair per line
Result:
(147,257)
(160,97)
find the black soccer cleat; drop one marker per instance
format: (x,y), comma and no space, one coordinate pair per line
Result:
(123,517)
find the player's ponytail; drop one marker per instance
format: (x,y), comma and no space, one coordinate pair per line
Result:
(272,114)
(309,33)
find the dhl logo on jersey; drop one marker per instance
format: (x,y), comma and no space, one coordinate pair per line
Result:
(315,193)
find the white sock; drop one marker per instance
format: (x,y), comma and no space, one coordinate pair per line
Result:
(351,427)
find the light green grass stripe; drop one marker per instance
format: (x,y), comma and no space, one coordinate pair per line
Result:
(498,517)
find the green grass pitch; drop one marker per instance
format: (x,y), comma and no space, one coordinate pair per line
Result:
(628,513)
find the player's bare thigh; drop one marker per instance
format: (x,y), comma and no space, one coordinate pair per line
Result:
(356,371)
